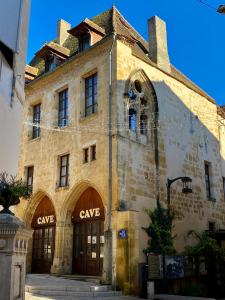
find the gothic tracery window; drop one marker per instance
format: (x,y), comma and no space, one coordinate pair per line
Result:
(137,107)
(132,119)
(143,124)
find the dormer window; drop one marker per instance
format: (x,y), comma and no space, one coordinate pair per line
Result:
(53,55)
(84,42)
(88,33)
(50,62)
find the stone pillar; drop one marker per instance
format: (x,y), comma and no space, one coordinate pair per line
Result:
(13,249)
(57,266)
(107,261)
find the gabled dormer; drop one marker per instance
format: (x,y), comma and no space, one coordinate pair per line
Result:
(53,55)
(30,73)
(88,33)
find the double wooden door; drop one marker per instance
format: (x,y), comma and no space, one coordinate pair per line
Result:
(43,249)
(88,249)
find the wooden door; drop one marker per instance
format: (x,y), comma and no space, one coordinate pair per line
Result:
(88,247)
(43,249)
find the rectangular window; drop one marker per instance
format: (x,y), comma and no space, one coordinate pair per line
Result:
(36,121)
(208,180)
(64,170)
(91,93)
(30,175)
(84,42)
(93,152)
(63,109)
(211,226)
(86,155)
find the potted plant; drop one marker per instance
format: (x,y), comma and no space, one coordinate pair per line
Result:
(11,190)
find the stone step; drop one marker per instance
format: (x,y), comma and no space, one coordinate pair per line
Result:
(75,288)
(54,287)
(82,294)
(91,279)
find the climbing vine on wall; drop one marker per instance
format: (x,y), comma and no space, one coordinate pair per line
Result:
(160,231)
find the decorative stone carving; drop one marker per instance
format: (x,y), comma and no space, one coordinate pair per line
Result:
(13,249)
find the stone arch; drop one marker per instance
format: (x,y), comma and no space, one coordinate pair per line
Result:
(33,204)
(71,200)
(139,74)
(64,243)
(39,215)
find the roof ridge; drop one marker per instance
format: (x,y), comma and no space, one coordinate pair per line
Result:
(124,19)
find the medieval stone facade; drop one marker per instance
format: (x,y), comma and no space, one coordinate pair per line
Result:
(149,123)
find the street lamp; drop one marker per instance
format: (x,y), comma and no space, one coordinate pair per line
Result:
(186,186)
(221,9)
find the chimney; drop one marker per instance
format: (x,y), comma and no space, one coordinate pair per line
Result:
(63,27)
(158,50)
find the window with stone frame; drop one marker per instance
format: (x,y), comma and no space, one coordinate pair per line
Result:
(93,152)
(85,155)
(30,177)
(208,180)
(63,109)
(64,171)
(91,94)
(36,121)
(138,108)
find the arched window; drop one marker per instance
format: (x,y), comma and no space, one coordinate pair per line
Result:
(143,124)
(132,119)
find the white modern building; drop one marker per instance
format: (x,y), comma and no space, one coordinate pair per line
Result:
(14,19)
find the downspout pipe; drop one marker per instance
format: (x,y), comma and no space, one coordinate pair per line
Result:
(108,233)
(110,138)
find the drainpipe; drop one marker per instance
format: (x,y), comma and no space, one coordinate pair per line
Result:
(108,232)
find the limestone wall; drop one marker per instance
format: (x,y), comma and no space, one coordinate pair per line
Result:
(188,135)
(43,153)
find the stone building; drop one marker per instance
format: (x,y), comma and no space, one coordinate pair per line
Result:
(14,19)
(107,120)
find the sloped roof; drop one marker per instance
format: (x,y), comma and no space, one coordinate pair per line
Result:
(54,47)
(86,24)
(112,21)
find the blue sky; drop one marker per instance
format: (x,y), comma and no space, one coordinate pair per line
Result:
(196,33)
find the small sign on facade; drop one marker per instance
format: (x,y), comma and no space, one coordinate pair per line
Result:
(174,267)
(123,234)
(155,263)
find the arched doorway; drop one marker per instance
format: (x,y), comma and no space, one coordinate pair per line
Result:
(88,244)
(43,223)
